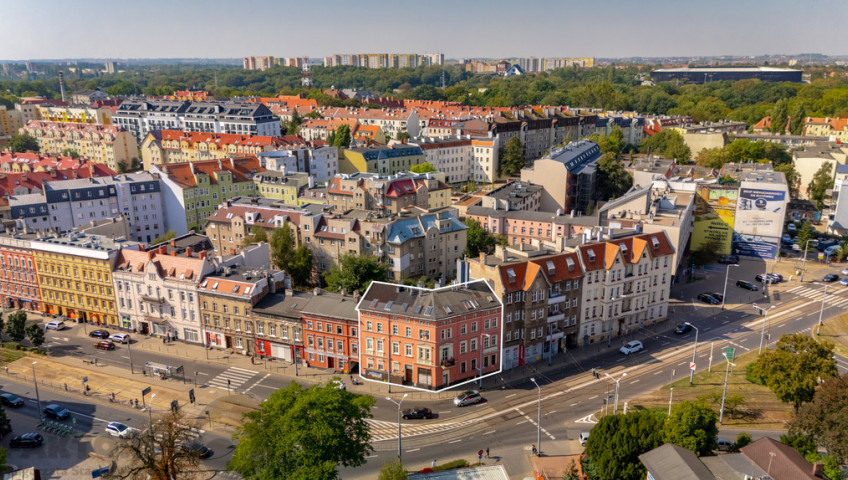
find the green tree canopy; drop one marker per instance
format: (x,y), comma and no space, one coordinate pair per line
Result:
(618,440)
(341,137)
(303,434)
(477,239)
(805,233)
(392,471)
(613,179)
(165,237)
(667,143)
(796,121)
(35,334)
(692,425)
(23,143)
(159,452)
(257,234)
(821,182)
(422,168)
(793,178)
(779,116)
(356,272)
(825,418)
(282,245)
(793,369)
(16,326)
(300,267)
(511,158)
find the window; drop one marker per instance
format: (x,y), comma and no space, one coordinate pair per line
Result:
(408,350)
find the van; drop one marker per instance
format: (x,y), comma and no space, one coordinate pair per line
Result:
(724,445)
(583,438)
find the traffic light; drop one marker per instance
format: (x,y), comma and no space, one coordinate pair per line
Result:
(175,405)
(191,395)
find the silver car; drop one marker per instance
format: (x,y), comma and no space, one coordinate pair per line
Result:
(468,397)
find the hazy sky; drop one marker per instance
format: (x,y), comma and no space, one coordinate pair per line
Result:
(40,29)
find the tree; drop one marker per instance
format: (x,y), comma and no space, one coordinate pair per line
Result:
(16,326)
(422,168)
(732,402)
(793,179)
(708,253)
(164,237)
(796,120)
(5,426)
(571,472)
(292,126)
(669,144)
(618,440)
(477,239)
(303,434)
(392,471)
(825,418)
(300,267)
(821,182)
(23,143)
(341,137)
(511,158)
(133,166)
(805,233)
(70,152)
(613,180)
(35,334)
(257,234)
(742,440)
(401,136)
(158,452)
(282,245)
(779,116)
(793,370)
(692,425)
(356,272)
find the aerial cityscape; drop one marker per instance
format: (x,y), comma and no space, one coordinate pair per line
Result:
(450,241)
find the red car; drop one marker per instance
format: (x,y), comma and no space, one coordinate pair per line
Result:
(104,345)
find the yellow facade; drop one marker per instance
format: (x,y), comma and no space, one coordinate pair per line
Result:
(105,144)
(10,122)
(75,286)
(98,116)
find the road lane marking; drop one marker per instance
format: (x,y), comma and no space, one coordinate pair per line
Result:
(512,395)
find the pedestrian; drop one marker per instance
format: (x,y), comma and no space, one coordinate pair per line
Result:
(534,449)
(433,464)
(7,369)
(66,387)
(480,456)
(164,340)
(487,452)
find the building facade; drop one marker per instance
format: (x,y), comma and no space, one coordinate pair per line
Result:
(107,144)
(18,277)
(331,329)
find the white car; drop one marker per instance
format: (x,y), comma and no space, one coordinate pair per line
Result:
(631,347)
(55,325)
(117,429)
(796,247)
(120,338)
(845,271)
(831,250)
(791,227)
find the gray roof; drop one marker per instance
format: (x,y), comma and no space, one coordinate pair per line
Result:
(332,305)
(405,229)
(427,304)
(732,466)
(670,462)
(576,155)
(282,305)
(634,192)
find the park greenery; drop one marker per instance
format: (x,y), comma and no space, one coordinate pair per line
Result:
(478,240)
(286,254)
(355,272)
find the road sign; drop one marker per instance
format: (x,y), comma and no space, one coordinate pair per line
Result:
(180,369)
(99,472)
(728,353)
(691,365)
(146,391)
(84,379)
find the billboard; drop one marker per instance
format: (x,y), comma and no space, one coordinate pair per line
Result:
(715,211)
(756,246)
(760,212)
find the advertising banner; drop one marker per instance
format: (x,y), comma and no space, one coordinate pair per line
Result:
(715,209)
(756,246)
(760,212)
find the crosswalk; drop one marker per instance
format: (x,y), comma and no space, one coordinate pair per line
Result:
(382,430)
(236,377)
(834,298)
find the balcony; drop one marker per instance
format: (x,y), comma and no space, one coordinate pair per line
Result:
(556,318)
(448,362)
(555,297)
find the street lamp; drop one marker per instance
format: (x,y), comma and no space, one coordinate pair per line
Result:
(615,407)
(398,405)
(724,394)
(150,410)
(129,352)
(37,397)
(821,312)
(480,365)
(538,418)
(694,351)
(804,264)
(724,294)
(765,321)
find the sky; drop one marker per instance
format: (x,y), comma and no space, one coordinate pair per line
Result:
(57,29)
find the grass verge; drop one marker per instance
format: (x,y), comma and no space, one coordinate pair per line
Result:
(835,331)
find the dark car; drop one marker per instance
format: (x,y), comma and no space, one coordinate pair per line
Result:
(718,296)
(202,451)
(417,412)
(682,328)
(104,345)
(11,400)
(830,277)
(769,278)
(99,334)
(746,285)
(56,411)
(707,298)
(728,259)
(27,440)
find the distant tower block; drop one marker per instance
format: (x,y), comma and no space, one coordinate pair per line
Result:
(305,74)
(62,84)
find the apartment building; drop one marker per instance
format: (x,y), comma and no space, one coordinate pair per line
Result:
(280,317)
(10,122)
(321,163)
(107,144)
(233,221)
(526,227)
(809,160)
(451,156)
(259,63)
(177,146)
(331,329)
(283,186)
(626,285)
(388,193)
(541,293)
(391,121)
(141,116)
(513,196)
(568,176)
(18,278)
(75,275)
(193,190)
(425,245)
(429,339)
(383,160)
(74,114)
(384,60)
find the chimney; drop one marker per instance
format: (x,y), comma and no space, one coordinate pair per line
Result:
(173,243)
(818,470)
(356,295)
(232,251)
(202,255)
(174,253)
(343,291)
(163,250)
(482,259)
(188,251)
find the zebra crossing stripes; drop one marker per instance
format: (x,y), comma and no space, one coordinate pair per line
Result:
(382,430)
(236,376)
(833,297)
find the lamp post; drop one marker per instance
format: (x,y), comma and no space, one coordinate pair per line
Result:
(538,418)
(694,351)
(480,365)
(398,405)
(765,281)
(670,396)
(821,312)
(150,410)
(724,294)
(129,352)
(804,263)
(765,321)
(615,407)
(37,397)
(724,394)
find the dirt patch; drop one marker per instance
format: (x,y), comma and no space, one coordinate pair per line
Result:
(835,331)
(230,410)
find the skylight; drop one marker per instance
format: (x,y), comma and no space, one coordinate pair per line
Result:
(389,305)
(511,274)
(551,267)
(374,303)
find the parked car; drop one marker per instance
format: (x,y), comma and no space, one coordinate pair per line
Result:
(682,328)
(99,334)
(723,445)
(468,397)
(786,238)
(844,282)
(56,411)
(27,440)
(631,347)
(417,412)
(830,277)
(104,345)
(200,450)
(814,243)
(768,278)
(707,298)
(12,400)
(55,325)
(746,285)
(831,250)
(120,337)
(845,271)
(791,228)
(118,429)
(728,259)
(824,244)
(776,276)
(717,296)
(796,247)
(584,437)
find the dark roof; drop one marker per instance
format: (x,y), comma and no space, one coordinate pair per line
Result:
(281,305)
(428,304)
(670,462)
(786,463)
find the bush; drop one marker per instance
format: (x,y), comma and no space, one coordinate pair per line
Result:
(10,345)
(451,465)
(742,440)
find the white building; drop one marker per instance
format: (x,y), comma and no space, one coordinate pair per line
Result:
(320,163)
(452,156)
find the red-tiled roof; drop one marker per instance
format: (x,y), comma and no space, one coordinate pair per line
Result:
(222,139)
(242,169)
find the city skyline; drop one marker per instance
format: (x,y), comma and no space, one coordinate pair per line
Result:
(471,29)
